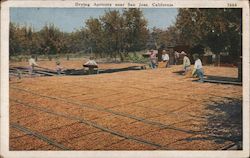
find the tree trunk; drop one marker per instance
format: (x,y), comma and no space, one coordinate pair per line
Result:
(121,57)
(217,59)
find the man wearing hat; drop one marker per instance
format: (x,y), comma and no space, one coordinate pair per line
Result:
(186,62)
(91,65)
(198,68)
(165,57)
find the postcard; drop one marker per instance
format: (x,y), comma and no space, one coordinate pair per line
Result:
(108,78)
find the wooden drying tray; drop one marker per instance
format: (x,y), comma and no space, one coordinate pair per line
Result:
(90,66)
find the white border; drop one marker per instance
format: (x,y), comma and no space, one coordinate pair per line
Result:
(151,3)
(112,154)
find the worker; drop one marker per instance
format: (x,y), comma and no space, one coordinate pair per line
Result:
(32,64)
(176,57)
(153,58)
(91,64)
(186,63)
(165,57)
(198,70)
(58,66)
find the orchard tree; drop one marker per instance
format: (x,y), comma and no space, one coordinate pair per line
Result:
(113,26)
(112,34)
(136,29)
(218,29)
(94,35)
(75,41)
(52,40)
(163,38)
(15,46)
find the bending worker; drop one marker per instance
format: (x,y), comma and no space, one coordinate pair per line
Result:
(91,64)
(186,63)
(198,68)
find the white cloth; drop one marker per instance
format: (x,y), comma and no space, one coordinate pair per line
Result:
(156,52)
(58,67)
(32,62)
(198,64)
(186,62)
(165,57)
(183,53)
(153,52)
(176,54)
(91,62)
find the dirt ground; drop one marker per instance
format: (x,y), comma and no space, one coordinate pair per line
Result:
(132,110)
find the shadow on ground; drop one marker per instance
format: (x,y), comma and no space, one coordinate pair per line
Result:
(221,78)
(223,124)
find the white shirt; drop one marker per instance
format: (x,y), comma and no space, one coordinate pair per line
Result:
(153,54)
(91,62)
(32,62)
(198,64)
(176,54)
(186,61)
(165,57)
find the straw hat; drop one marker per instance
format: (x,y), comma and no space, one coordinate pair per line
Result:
(183,53)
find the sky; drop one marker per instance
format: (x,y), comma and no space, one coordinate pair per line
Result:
(71,19)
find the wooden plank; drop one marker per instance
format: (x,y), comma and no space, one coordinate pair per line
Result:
(178,72)
(38,135)
(90,66)
(45,73)
(47,70)
(222,78)
(44,68)
(221,81)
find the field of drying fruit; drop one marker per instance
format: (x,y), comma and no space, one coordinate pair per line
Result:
(132,110)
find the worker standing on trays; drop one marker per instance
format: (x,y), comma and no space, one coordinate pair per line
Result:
(58,66)
(32,64)
(165,58)
(153,59)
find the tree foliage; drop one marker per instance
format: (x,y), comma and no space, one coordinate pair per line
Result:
(217,29)
(52,40)
(112,34)
(135,29)
(118,32)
